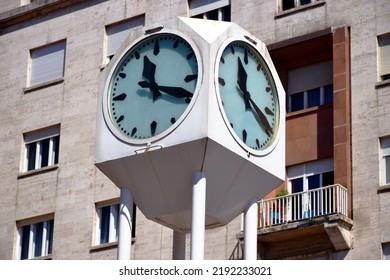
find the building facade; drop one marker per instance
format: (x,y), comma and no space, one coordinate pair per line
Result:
(333,58)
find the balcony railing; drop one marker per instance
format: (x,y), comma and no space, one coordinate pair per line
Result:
(303,205)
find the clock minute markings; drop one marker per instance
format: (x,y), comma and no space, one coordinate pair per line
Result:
(190,78)
(244,135)
(120,97)
(246,56)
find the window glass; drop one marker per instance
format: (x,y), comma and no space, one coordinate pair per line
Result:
(105,224)
(387,168)
(288,4)
(314,181)
(297,101)
(328,94)
(297,185)
(384,57)
(314,97)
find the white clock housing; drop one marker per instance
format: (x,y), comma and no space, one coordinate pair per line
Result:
(159,171)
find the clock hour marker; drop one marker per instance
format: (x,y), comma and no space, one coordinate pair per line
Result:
(221,81)
(257,143)
(244,135)
(120,119)
(176,43)
(173,120)
(156,48)
(268,111)
(190,78)
(232,49)
(133,131)
(258,67)
(188,100)
(153,127)
(120,97)
(246,56)
(137,56)
(190,55)
(222,60)
(122,75)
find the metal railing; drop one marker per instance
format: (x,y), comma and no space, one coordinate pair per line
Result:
(303,205)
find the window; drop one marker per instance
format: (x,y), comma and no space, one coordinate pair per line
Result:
(310,86)
(209,9)
(386,251)
(107,221)
(35,240)
(41,148)
(117,33)
(285,5)
(47,63)
(307,179)
(384,57)
(385,161)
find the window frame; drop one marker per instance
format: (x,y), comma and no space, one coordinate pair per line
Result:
(46,239)
(383,42)
(116,33)
(39,57)
(384,161)
(38,139)
(296,5)
(203,8)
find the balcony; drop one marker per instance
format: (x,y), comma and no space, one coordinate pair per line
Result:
(311,224)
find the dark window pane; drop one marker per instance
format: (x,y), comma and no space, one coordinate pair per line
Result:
(104,224)
(314,181)
(313,97)
(288,4)
(133,220)
(31,151)
(226,12)
(56,148)
(385,77)
(328,94)
(327,178)
(49,236)
(297,102)
(198,16)
(297,185)
(212,15)
(25,239)
(304,2)
(38,239)
(45,152)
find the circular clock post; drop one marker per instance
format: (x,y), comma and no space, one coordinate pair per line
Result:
(250,231)
(125,224)
(198,216)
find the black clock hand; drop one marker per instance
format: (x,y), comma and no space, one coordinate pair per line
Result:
(177,92)
(148,72)
(242,78)
(262,117)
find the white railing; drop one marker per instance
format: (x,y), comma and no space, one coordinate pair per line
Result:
(303,205)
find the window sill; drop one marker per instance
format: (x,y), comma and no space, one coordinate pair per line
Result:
(47,257)
(307,111)
(37,171)
(43,85)
(382,84)
(384,188)
(300,9)
(106,246)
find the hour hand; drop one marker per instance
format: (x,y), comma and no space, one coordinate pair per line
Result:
(153,88)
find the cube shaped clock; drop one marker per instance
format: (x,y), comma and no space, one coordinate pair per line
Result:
(191,95)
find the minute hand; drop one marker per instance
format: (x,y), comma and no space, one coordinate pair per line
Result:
(262,117)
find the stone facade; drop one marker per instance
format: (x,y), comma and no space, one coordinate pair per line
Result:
(70,189)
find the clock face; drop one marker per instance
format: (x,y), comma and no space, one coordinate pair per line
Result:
(151,87)
(248,96)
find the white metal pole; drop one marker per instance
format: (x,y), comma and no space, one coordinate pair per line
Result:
(250,231)
(179,245)
(125,224)
(198,216)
